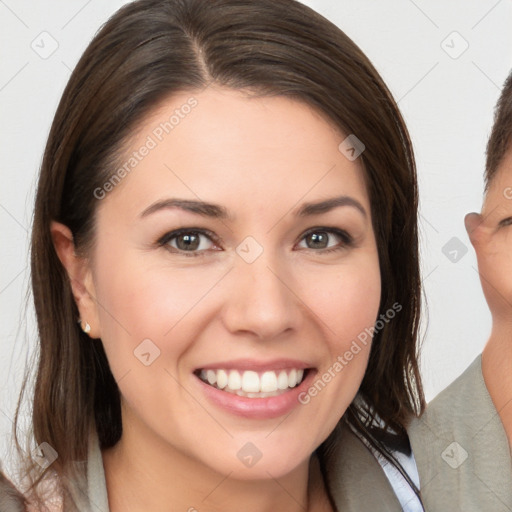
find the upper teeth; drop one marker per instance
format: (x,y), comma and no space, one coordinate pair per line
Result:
(253,382)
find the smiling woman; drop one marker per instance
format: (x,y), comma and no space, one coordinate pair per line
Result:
(261,249)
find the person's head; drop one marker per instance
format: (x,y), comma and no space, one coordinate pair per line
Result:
(490,231)
(250,114)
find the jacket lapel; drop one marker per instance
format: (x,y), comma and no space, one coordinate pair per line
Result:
(355,479)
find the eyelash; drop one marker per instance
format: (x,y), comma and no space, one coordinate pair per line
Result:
(346,239)
(506,222)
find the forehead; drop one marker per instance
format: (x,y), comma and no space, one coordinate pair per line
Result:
(503,174)
(499,193)
(271,150)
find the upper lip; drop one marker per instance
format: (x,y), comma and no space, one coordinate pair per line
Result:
(256,365)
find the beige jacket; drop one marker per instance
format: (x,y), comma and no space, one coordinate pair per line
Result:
(461,449)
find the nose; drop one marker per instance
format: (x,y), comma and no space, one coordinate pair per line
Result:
(262,299)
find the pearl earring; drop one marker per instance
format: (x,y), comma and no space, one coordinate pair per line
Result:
(86,328)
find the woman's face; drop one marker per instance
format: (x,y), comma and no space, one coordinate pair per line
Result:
(237,249)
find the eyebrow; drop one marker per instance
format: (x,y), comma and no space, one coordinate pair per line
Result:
(328,205)
(216,211)
(198,207)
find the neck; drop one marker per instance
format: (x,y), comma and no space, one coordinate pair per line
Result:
(144,473)
(496,369)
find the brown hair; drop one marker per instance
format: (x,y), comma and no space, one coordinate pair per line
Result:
(147,51)
(500,140)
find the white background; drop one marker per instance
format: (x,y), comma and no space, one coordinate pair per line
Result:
(447,103)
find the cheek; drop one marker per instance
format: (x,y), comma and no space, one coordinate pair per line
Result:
(146,330)
(149,299)
(347,300)
(138,302)
(496,278)
(347,304)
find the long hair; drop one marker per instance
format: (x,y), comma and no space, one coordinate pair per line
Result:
(146,52)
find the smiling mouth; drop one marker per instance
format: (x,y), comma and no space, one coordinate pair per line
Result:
(253,384)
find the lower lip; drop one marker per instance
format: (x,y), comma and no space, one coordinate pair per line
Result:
(257,408)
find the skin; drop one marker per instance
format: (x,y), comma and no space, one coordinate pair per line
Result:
(261,159)
(491,235)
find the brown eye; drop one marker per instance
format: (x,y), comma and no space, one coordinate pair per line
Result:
(327,240)
(188,242)
(318,240)
(191,241)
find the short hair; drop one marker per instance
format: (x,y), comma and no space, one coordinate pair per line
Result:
(501,135)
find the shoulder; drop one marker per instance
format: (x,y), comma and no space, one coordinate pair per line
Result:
(464,405)
(461,449)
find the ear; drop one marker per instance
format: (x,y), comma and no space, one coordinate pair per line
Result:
(80,276)
(474,223)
